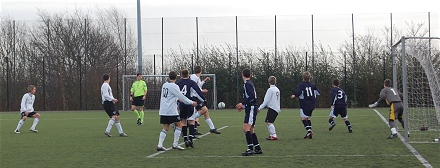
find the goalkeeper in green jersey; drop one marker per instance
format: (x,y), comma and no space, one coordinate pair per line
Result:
(138,94)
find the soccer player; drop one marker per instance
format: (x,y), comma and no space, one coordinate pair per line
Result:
(27,110)
(306,92)
(108,102)
(251,110)
(272,101)
(138,93)
(168,111)
(196,78)
(187,86)
(393,98)
(338,106)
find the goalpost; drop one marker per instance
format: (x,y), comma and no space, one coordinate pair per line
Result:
(416,70)
(154,84)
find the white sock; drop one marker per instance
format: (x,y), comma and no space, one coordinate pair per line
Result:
(35,123)
(195,115)
(20,123)
(177,133)
(110,125)
(393,131)
(210,124)
(272,131)
(119,127)
(162,136)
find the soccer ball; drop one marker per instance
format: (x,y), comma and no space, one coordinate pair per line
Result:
(221,105)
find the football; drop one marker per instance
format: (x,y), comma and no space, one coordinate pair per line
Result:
(221,105)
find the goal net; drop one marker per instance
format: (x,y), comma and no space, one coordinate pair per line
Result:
(154,84)
(416,70)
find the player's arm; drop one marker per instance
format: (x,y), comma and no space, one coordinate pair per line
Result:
(267,97)
(297,92)
(382,95)
(317,92)
(145,91)
(196,88)
(23,103)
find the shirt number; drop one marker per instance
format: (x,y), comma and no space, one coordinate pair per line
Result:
(309,91)
(165,92)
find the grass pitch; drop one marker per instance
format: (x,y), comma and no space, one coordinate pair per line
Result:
(76,139)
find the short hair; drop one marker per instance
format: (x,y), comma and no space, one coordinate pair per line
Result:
(172,75)
(184,73)
(247,73)
(336,82)
(272,80)
(307,76)
(105,77)
(138,74)
(387,82)
(30,87)
(197,69)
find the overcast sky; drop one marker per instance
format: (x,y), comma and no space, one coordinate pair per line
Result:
(28,9)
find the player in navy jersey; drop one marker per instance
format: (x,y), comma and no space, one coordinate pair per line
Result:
(338,106)
(306,92)
(251,110)
(186,86)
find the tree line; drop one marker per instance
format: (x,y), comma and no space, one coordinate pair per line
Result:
(65,55)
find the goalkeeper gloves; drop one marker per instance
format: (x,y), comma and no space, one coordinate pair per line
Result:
(373,105)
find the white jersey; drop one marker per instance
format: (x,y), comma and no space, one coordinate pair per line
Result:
(272,99)
(27,103)
(168,99)
(199,82)
(106,93)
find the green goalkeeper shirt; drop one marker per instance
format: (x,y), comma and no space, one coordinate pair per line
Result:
(138,88)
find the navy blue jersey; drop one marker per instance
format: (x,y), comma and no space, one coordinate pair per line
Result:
(306,92)
(249,94)
(186,85)
(338,97)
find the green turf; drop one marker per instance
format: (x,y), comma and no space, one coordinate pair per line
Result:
(76,139)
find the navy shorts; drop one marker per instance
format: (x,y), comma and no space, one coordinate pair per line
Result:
(186,111)
(339,110)
(250,115)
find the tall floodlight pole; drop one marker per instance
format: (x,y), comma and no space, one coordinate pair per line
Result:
(139,36)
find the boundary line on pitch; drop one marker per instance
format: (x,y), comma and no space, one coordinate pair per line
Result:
(413,151)
(160,152)
(284,156)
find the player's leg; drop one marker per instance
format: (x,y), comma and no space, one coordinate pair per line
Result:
(333,114)
(141,113)
(164,120)
(305,118)
(247,125)
(21,122)
(257,147)
(136,113)
(345,118)
(270,119)
(36,117)
(391,122)
(109,110)
(208,120)
(118,124)
(177,133)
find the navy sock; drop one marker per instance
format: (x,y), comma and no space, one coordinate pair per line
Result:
(310,124)
(249,140)
(191,132)
(348,123)
(331,121)
(185,132)
(306,124)
(255,141)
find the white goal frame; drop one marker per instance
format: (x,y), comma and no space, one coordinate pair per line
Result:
(159,80)
(433,80)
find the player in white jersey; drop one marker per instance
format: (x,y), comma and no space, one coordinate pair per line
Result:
(168,111)
(272,102)
(108,102)
(27,109)
(196,78)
